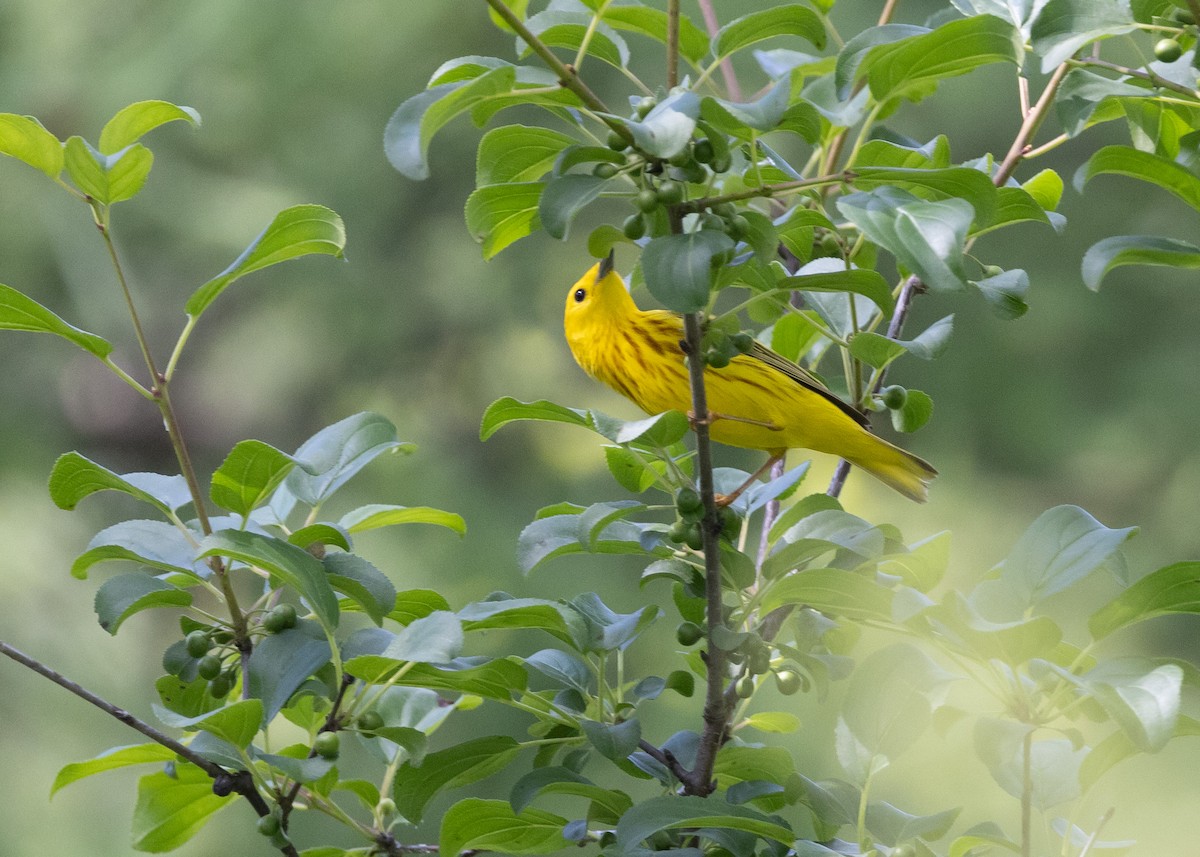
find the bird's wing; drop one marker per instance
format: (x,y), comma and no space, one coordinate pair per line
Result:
(804,378)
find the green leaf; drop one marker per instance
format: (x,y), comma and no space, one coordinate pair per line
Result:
(927,237)
(832,590)
(107,178)
(435,639)
(780,722)
(376,515)
(460,765)
(609,630)
(888,705)
(607,805)
(671,812)
(917,410)
(517,153)
(170,810)
(248,475)
(336,453)
(491,825)
(409,130)
(507,410)
(75,477)
(320,534)
(1173,589)
(553,617)
(1005,292)
(764,114)
(563,668)
(629,469)
(666,130)
(110,759)
(1016,642)
(134,121)
(296,567)
(236,723)
(679,268)
(1054,764)
(24,138)
(281,663)
(18,312)
(1065,26)
(152,543)
(832,275)
(559,535)
(613,742)
(121,596)
(893,826)
(746,764)
(911,67)
(1146,166)
(856,50)
(787,20)
(952,182)
(1120,250)
(693,43)
(875,349)
(298,231)
(566,29)
(1117,747)
(498,215)
(493,679)
(305,770)
(1061,547)
(1144,705)
(563,198)
(415,604)
(362,582)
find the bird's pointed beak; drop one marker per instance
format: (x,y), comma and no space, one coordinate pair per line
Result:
(606,266)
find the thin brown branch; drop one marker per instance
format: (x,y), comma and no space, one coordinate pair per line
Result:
(332,724)
(1157,80)
(667,759)
(672,43)
(767,191)
(732,87)
(224,782)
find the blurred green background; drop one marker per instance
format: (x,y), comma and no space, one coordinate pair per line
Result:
(1090,399)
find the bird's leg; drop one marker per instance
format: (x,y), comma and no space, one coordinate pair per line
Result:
(724,500)
(713,416)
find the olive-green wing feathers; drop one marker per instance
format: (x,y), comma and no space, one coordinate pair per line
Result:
(804,378)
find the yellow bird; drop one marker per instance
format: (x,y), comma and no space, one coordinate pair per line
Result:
(759,401)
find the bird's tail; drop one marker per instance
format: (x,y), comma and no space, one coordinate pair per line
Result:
(895,467)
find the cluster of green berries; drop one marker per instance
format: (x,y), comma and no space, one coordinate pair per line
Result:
(1170,49)
(279,618)
(755,653)
(690,508)
(719,348)
(208,648)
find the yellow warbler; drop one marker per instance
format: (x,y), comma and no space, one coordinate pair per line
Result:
(759,401)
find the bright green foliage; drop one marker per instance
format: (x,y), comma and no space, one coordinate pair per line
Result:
(281,619)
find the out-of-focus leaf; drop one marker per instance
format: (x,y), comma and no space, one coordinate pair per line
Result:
(1119,250)
(18,312)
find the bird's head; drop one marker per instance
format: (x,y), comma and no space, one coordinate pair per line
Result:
(598,297)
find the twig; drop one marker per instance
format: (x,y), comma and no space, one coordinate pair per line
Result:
(672,43)
(1150,76)
(732,87)
(666,758)
(224,782)
(767,191)
(332,724)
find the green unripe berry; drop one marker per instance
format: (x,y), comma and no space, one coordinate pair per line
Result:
(1184,16)
(731,524)
(273,623)
(645,106)
(646,200)
(220,686)
(209,667)
(694,172)
(716,359)
(893,397)
(760,661)
(739,227)
(197,644)
(725,209)
(1167,50)
(688,633)
(703,151)
(679,532)
(616,141)
(681,158)
(743,342)
(830,245)
(745,687)
(721,162)
(286,614)
(788,682)
(604,170)
(268,825)
(992,271)
(688,501)
(905,850)
(708,220)
(670,193)
(222,638)
(386,808)
(327,745)
(369,721)
(634,227)
(694,539)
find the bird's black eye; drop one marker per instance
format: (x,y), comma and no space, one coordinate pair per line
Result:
(580,294)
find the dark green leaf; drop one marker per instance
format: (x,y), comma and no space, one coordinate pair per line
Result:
(460,765)
(563,668)
(609,630)
(763,115)
(1005,292)
(563,198)
(856,49)
(491,825)
(122,596)
(18,312)
(614,742)
(498,215)
(832,275)
(152,543)
(553,617)
(949,183)
(693,43)
(75,477)
(666,130)
(298,231)
(415,604)
(336,453)
(282,662)
(832,590)
(679,268)
(1146,166)
(362,582)
(785,20)
(517,153)
(671,812)
(917,410)
(1120,250)
(296,567)
(236,723)
(507,410)
(321,534)
(302,770)
(1065,26)
(569,29)
(491,679)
